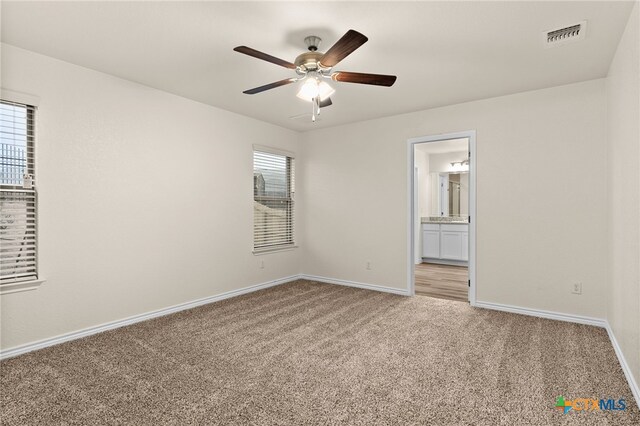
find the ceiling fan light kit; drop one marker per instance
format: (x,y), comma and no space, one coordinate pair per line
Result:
(313,67)
(314,88)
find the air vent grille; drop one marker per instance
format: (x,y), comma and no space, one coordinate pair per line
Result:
(564,35)
(306,118)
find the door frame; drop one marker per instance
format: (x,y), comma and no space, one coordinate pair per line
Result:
(471,135)
(444,187)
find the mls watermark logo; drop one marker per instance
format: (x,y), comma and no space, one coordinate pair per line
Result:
(590,404)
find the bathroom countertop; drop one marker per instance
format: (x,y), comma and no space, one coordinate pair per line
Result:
(447,220)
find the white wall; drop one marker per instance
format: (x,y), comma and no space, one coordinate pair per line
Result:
(464,194)
(108,240)
(623,307)
(424,180)
(144,197)
(535,235)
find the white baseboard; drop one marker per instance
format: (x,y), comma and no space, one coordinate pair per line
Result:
(543,314)
(41,344)
(374,287)
(625,367)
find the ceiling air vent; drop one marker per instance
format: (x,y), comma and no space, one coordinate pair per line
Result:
(306,118)
(565,35)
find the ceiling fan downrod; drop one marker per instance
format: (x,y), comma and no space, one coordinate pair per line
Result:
(312,42)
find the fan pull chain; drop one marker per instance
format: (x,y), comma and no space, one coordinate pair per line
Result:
(316,108)
(313,110)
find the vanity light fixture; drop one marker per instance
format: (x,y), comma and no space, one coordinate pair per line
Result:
(461,163)
(460,166)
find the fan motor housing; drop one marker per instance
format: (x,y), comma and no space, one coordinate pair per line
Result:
(308,61)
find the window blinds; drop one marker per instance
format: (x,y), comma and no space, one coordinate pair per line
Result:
(18,249)
(273,196)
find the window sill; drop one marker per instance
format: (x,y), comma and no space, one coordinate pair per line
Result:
(9,288)
(260,252)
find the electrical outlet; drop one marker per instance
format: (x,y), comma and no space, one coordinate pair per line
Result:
(261,264)
(368,265)
(576,288)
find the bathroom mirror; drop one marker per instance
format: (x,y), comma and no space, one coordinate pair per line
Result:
(449,194)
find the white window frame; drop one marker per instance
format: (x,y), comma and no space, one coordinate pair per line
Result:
(290,199)
(17,285)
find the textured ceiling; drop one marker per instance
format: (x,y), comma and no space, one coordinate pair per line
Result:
(442,52)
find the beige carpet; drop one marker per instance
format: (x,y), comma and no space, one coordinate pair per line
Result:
(307,353)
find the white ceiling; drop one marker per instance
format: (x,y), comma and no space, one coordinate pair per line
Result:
(443,147)
(442,52)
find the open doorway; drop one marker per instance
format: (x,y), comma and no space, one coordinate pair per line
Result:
(442,209)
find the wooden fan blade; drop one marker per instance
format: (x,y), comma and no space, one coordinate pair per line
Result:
(343,47)
(265,57)
(269,86)
(361,78)
(326,103)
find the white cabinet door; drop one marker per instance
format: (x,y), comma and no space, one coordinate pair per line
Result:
(451,245)
(431,244)
(465,246)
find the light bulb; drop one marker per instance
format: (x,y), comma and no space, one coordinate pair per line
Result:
(324,90)
(309,90)
(312,88)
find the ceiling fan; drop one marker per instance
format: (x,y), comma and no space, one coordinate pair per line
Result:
(314,67)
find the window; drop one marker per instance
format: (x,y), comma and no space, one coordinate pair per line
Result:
(273,197)
(18,202)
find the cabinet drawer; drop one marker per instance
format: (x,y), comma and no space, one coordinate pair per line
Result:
(462,227)
(430,227)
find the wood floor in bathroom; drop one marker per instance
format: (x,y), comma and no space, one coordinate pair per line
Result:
(442,281)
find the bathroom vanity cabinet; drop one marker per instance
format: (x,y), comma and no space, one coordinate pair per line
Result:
(445,241)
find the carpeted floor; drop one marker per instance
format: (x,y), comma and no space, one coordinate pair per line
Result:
(307,353)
